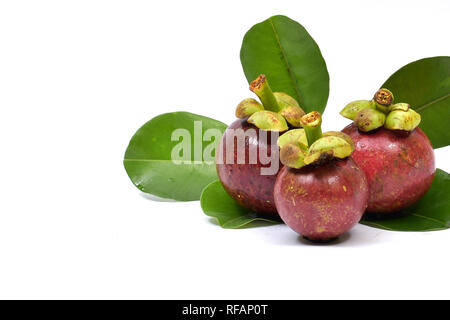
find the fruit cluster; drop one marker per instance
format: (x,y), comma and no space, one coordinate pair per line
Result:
(381,163)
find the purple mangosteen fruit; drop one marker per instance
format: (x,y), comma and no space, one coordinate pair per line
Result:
(244,181)
(321,192)
(247,160)
(394,153)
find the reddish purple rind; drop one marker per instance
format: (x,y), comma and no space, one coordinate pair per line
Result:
(322,202)
(244,182)
(399,166)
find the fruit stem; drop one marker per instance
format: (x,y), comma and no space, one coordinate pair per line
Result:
(260,86)
(383,99)
(311,124)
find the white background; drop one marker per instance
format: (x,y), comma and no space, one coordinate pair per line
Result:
(78,78)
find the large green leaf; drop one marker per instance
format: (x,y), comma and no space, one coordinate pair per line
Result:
(284,51)
(432,212)
(216,203)
(425,85)
(150,166)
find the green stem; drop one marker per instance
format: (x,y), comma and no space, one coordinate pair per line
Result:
(311,124)
(383,99)
(261,88)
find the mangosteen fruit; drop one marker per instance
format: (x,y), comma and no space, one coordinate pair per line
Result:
(247,160)
(394,153)
(320,192)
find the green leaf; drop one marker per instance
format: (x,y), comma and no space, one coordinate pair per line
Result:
(149,163)
(216,203)
(430,213)
(425,85)
(284,51)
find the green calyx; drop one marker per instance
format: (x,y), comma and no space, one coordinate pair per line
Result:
(293,155)
(402,118)
(284,100)
(351,110)
(328,147)
(370,115)
(247,107)
(341,135)
(293,136)
(400,106)
(276,102)
(301,147)
(268,120)
(292,114)
(369,119)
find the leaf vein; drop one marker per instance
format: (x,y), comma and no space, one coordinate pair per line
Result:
(432,102)
(291,75)
(374,224)
(431,219)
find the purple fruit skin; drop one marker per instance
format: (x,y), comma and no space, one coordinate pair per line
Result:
(322,202)
(243,182)
(399,166)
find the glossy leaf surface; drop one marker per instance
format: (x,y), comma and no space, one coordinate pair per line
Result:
(425,85)
(283,50)
(148,158)
(216,203)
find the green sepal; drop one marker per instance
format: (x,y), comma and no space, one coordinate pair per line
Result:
(293,154)
(369,119)
(342,135)
(293,136)
(290,109)
(284,100)
(293,114)
(328,147)
(402,120)
(247,107)
(268,120)
(400,106)
(351,110)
